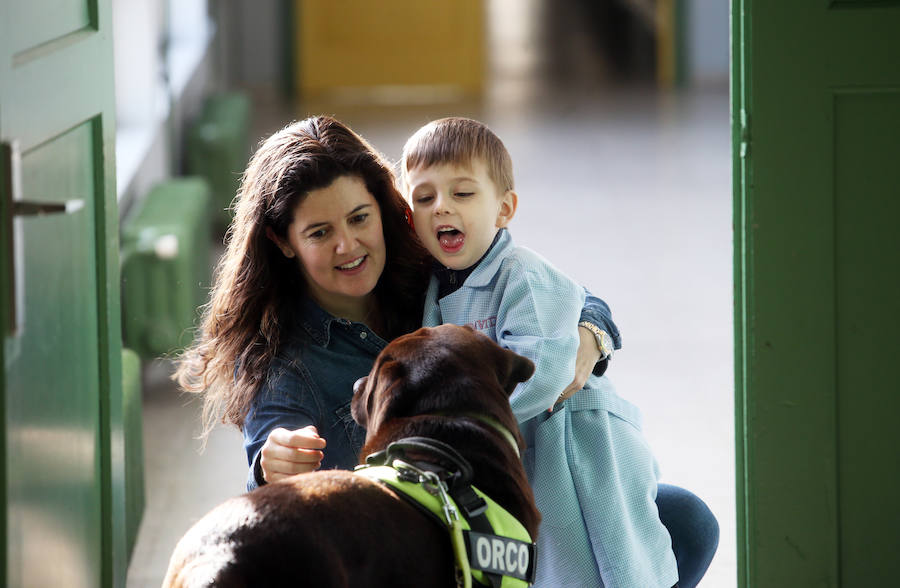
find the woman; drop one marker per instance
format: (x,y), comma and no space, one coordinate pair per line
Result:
(321,269)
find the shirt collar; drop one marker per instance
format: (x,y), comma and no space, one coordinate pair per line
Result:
(316,321)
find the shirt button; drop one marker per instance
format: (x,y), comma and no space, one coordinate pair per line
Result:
(363,335)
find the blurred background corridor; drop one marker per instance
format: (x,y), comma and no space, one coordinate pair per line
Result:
(616,114)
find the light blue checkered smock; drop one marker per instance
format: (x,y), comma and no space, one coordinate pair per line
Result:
(593,475)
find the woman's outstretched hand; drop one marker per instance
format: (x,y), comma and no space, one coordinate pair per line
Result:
(286,453)
(588,355)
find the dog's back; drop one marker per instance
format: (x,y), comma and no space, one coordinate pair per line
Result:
(324,529)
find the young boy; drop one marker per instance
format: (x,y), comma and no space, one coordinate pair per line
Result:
(593,476)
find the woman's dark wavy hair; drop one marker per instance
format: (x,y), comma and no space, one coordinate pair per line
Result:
(257,290)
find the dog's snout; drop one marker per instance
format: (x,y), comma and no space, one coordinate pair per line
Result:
(359,406)
(359,384)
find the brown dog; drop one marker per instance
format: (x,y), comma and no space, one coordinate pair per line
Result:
(338,529)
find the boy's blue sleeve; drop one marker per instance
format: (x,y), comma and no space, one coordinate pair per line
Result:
(537,319)
(596,312)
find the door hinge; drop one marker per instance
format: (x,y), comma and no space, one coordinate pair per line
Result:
(745,133)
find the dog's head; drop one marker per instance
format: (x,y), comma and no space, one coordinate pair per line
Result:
(439,370)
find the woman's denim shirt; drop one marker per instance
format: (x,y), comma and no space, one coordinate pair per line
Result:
(310,382)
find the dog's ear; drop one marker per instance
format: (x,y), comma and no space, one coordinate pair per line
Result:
(377,395)
(512,369)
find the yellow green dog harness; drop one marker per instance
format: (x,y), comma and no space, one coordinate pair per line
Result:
(489,544)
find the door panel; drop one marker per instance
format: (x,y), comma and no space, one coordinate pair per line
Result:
(55,89)
(42,21)
(817,186)
(63,484)
(54,492)
(867,189)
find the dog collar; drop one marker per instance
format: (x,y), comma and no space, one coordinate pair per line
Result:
(500,554)
(491,422)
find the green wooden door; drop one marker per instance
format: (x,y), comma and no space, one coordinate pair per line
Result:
(61,382)
(816,98)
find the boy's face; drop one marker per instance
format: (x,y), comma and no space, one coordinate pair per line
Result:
(457,210)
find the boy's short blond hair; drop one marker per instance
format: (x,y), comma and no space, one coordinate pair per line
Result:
(458,141)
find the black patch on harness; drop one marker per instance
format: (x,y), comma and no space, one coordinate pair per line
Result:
(501,555)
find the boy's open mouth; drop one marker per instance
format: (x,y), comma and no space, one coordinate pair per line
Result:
(451,240)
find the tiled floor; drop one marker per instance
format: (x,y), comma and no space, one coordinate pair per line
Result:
(627,190)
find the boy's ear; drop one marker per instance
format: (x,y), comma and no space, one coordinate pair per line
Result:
(285,249)
(508,203)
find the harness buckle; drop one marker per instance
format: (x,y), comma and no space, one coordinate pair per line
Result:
(432,484)
(470,502)
(450,512)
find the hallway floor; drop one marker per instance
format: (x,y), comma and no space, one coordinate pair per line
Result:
(626,189)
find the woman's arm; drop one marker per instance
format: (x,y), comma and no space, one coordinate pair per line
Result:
(287,452)
(280,434)
(599,338)
(588,359)
(596,312)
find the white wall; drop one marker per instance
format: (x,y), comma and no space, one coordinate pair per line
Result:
(708,44)
(163,67)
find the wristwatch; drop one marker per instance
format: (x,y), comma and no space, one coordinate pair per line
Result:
(604,341)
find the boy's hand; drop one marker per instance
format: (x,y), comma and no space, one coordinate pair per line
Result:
(588,355)
(286,453)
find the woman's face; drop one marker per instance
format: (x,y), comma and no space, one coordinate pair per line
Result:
(337,237)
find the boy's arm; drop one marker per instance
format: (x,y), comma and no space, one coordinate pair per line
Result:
(537,318)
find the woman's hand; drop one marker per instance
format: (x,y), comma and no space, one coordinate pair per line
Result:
(588,355)
(286,453)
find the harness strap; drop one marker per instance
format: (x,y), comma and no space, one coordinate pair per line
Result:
(480,524)
(499,554)
(468,500)
(473,507)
